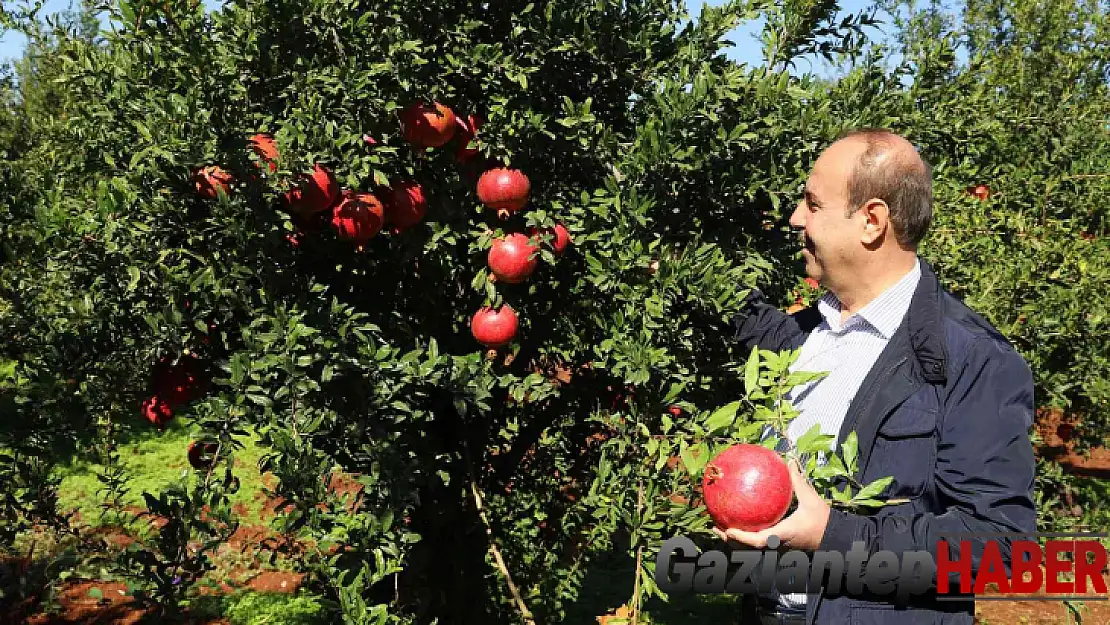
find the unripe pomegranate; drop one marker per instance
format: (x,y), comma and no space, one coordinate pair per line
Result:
(504,190)
(157,410)
(511,259)
(314,193)
(747,487)
(264,146)
(358,217)
(207,181)
(200,454)
(406,205)
(425,126)
(560,237)
(494,328)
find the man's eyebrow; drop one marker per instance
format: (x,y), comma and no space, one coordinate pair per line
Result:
(811,197)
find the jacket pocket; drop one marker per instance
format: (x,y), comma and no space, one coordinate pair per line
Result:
(905,449)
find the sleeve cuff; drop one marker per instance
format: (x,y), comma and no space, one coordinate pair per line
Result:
(840,531)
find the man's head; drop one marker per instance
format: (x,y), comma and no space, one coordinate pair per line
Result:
(867,204)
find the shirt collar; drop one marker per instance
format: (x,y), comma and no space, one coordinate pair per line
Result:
(884,313)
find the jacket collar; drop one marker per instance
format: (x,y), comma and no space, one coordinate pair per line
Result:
(923,325)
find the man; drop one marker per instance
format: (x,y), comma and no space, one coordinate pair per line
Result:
(937,397)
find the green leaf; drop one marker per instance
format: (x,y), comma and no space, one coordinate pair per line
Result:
(873,489)
(134,273)
(722,418)
(848,450)
(751,371)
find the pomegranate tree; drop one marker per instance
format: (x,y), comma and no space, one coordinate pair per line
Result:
(747,487)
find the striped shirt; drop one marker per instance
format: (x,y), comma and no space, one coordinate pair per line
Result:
(847,351)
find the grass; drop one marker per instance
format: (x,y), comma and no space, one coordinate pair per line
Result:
(153,462)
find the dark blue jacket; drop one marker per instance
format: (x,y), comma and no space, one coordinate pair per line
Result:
(946,411)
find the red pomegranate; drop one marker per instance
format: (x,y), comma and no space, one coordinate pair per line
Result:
(813,284)
(676,411)
(358,217)
(504,190)
(406,205)
(747,487)
(207,181)
(494,328)
(428,127)
(511,258)
(981,192)
(560,237)
(264,146)
(314,193)
(467,131)
(157,410)
(200,454)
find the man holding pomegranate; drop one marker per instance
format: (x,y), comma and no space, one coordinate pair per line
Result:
(937,397)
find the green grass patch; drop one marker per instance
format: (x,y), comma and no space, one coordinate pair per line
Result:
(152,463)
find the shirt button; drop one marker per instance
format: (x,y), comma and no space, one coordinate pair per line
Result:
(936,367)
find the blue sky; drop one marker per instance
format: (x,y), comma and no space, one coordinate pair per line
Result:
(745,38)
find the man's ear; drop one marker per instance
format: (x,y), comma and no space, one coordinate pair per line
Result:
(876,215)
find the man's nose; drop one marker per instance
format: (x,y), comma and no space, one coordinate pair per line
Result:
(798,217)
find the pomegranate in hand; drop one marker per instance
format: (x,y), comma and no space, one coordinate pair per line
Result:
(747,487)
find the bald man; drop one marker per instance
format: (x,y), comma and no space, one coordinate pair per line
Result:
(938,398)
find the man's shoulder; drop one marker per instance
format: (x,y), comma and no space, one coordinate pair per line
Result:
(970,336)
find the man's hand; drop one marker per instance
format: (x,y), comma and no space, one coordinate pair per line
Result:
(801,530)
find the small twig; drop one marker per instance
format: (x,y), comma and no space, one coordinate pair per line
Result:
(639,560)
(523,607)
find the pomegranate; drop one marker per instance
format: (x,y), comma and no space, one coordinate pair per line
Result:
(560,237)
(200,454)
(981,192)
(467,132)
(494,328)
(504,190)
(747,487)
(406,205)
(267,151)
(314,193)
(425,126)
(157,410)
(813,284)
(676,411)
(511,259)
(358,216)
(208,180)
